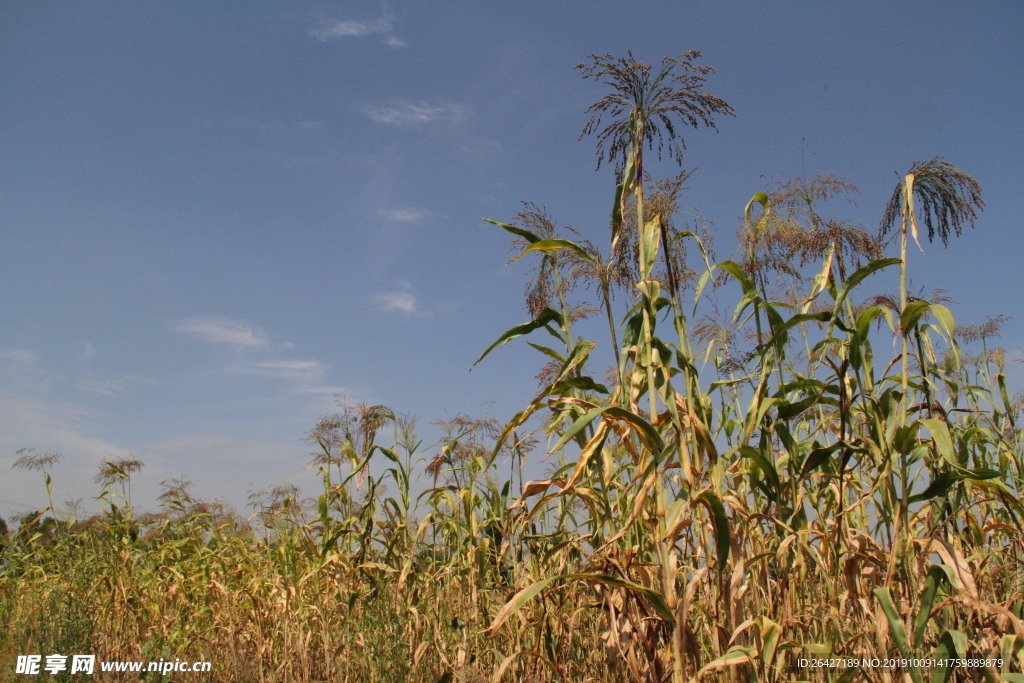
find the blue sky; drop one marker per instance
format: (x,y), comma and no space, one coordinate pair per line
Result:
(216,217)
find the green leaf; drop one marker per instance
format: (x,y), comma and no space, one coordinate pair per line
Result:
(552,244)
(945,318)
(1001,381)
(938,575)
(947,479)
(729,382)
(788,410)
(389,454)
(581,422)
(864,320)
(735,655)
(817,457)
(525,234)
(617,213)
(770,634)
(651,236)
(548,352)
(980,473)
(585,383)
(952,645)
(938,487)
(943,440)
(759,197)
(999,489)
(781,335)
(701,284)
(854,280)
(577,357)
(1010,646)
(911,315)
(736,270)
(884,597)
(723,538)
(773,486)
(357,468)
(759,407)
(861,273)
(644,429)
(559,387)
(546,317)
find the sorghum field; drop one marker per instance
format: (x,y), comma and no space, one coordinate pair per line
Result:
(784,463)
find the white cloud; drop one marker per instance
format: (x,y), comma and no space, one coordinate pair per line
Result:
(403,302)
(300,377)
(323,390)
(113,387)
(315,126)
(49,425)
(403,215)
(22,357)
(20,369)
(214,460)
(281,396)
(301,371)
(105,388)
(357,28)
(480,148)
(223,331)
(340,29)
(88,351)
(410,113)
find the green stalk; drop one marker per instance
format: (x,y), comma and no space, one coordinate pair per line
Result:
(908,217)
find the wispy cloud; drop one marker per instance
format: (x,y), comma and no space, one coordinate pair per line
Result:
(417,113)
(330,29)
(49,425)
(303,376)
(223,331)
(115,386)
(478,148)
(278,390)
(111,388)
(401,302)
(307,377)
(20,369)
(22,357)
(403,215)
(302,371)
(302,386)
(341,29)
